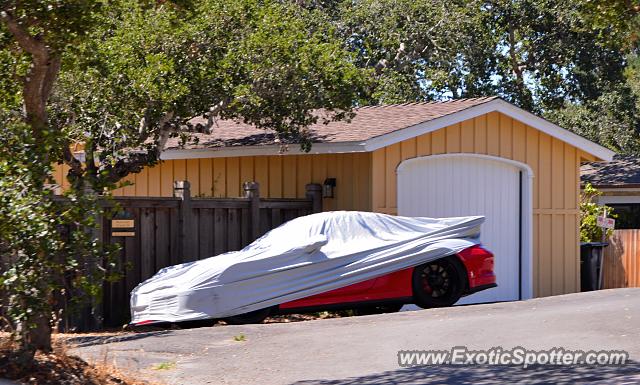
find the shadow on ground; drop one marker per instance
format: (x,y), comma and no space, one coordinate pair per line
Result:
(455,374)
(83,341)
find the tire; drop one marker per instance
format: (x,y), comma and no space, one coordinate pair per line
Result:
(439,283)
(252,317)
(369,310)
(195,324)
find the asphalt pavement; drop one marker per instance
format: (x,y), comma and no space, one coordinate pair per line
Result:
(364,350)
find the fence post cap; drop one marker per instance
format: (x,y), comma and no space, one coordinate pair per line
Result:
(313,187)
(181,184)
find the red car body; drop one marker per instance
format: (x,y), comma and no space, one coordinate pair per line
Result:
(397,287)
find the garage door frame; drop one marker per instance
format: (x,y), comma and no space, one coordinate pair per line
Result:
(526,209)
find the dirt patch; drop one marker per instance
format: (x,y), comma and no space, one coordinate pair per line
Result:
(309,316)
(59,368)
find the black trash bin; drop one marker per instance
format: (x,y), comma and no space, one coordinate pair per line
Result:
(591,255)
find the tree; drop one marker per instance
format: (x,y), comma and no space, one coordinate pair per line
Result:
(33,37)
(612,119)
(420,50)
(567,61)
(122,77)
(141,78)
(610,116)
(39,258)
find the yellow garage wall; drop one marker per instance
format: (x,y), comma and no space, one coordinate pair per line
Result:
(555,166)
(280,176)
(59,174)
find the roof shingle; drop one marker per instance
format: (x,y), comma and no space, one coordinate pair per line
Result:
(369,122)
(622,171)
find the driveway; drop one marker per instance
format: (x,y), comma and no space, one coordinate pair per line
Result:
(364,349)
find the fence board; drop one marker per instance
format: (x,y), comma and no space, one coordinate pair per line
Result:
(162,238)
(115,295)
(205,233)
(147,242)
(131,246)
(220,231)
(245,219)
(234,229)
(276,218)
(621,266)
(265,221)
(289,215)
(221,203)
(174,225)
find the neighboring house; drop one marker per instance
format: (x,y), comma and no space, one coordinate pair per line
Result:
(619,182)
(480,156)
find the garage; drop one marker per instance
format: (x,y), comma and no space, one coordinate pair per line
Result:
(467,184)
(476,156)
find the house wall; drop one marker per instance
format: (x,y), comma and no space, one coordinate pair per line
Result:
(555,165)
(280,176)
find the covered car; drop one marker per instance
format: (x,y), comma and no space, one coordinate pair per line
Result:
(304,257)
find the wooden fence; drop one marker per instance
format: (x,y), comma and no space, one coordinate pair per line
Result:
(159,232)
(621,266)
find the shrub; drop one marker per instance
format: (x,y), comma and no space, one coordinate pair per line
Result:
(589,212)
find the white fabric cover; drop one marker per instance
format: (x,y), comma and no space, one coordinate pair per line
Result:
(303,257)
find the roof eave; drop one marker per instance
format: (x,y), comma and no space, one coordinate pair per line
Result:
(272,149)
(606,186)
(503,107)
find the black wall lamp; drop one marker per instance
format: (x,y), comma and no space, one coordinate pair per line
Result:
(328,187)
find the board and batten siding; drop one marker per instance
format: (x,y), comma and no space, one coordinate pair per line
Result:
(555,165)
(280,176)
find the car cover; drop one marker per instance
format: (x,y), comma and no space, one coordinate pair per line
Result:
(303,257)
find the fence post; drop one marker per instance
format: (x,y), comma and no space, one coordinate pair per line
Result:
(252,191)
(182,190)
(314,193)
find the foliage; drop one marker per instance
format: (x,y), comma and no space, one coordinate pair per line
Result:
(42,243)
(612,120)
(589,212)
(420,50)
(240,338)
(534,53)
(568,61)
(140,78)
(164,366)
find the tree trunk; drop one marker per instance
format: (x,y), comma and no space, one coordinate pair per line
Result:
(34,333)
(40,335)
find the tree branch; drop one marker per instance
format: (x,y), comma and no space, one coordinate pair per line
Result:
(29,43)
(75,166)
(515,65)
(90,163)
(40,78)
(50,76)
(135,161)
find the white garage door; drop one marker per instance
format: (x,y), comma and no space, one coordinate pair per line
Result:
(460,186)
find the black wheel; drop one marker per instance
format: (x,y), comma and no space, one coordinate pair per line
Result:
(439,283)
(252,317)
(381,309)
